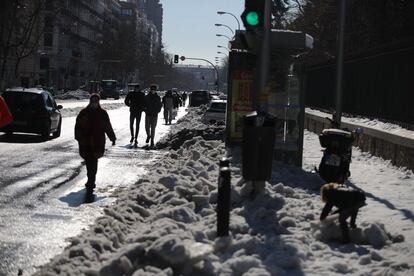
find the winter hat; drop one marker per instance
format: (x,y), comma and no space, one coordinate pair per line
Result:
(95,95)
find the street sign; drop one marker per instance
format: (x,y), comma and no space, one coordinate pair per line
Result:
(182,58)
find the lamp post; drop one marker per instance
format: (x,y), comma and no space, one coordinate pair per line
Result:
(235,17)
(222,25)
(223,36)
(223,54)
(219,46)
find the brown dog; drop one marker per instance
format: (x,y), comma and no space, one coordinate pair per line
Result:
(347,201)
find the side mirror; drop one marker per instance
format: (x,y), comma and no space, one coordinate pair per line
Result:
(59,107)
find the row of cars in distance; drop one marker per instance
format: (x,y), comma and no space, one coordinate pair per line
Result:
(216,113)
(34,110)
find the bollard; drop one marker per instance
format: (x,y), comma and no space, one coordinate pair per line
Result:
(224,162)
(223,202)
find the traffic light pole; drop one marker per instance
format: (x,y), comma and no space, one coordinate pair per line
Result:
(215,68)
(262,72)
(340,64)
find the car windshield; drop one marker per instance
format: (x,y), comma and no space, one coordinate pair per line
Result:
(109,84)
(22,100)
(218,106)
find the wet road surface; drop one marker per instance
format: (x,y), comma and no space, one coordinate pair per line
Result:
(42,195)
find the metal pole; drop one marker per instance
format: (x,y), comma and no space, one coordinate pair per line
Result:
(340,63)
(263,58)
(215,68)
(231,30)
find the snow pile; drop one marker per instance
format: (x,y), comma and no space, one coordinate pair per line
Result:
(166,224)
(181,133)
(78,94)
(74,111)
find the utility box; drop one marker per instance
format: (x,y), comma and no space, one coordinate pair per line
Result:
(257,146)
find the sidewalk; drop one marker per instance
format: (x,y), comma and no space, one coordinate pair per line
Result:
(165,225)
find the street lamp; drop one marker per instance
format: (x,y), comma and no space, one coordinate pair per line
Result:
(223,54)
(219,46)
(222,25)
(224,36)
(235,17)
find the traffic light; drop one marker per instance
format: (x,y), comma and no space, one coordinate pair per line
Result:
(176,58)
(253,14)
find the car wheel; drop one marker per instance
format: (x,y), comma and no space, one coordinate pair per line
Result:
(56,134)
(46,131)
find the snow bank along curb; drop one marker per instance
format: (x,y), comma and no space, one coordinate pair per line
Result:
(165,225)
(74,111)
(399,148)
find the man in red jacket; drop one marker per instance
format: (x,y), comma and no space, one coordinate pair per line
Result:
(92,124)
(5,114)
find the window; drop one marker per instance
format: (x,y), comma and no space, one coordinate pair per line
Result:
(44,63)
(48,39)
(49,102)
(126,12)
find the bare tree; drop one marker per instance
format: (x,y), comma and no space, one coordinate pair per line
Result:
(20,32)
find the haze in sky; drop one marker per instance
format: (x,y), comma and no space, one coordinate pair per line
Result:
(189,30)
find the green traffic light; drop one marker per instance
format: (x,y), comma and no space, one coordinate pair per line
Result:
(252,18)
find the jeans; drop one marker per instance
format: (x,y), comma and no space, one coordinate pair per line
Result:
(150,124)
(132,118)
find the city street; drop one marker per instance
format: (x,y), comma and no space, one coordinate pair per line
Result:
(42,188)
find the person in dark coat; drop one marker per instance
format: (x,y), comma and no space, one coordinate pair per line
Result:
(348,202)
(177,103)
(136,102)
(92,124)
(168,105)
(153,106)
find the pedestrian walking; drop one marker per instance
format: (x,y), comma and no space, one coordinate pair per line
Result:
(168,104)
(136,101)
(184,96)
(5,114)
(152,108)
(92,124)
(177,103)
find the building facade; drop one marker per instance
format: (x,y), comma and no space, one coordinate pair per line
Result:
(73,33)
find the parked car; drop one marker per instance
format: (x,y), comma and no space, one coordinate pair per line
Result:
(34,110)
(199,97)
(216,112)
(109,89)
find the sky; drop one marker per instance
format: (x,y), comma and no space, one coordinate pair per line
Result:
(189,30)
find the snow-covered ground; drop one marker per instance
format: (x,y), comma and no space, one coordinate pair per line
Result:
(165,224)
